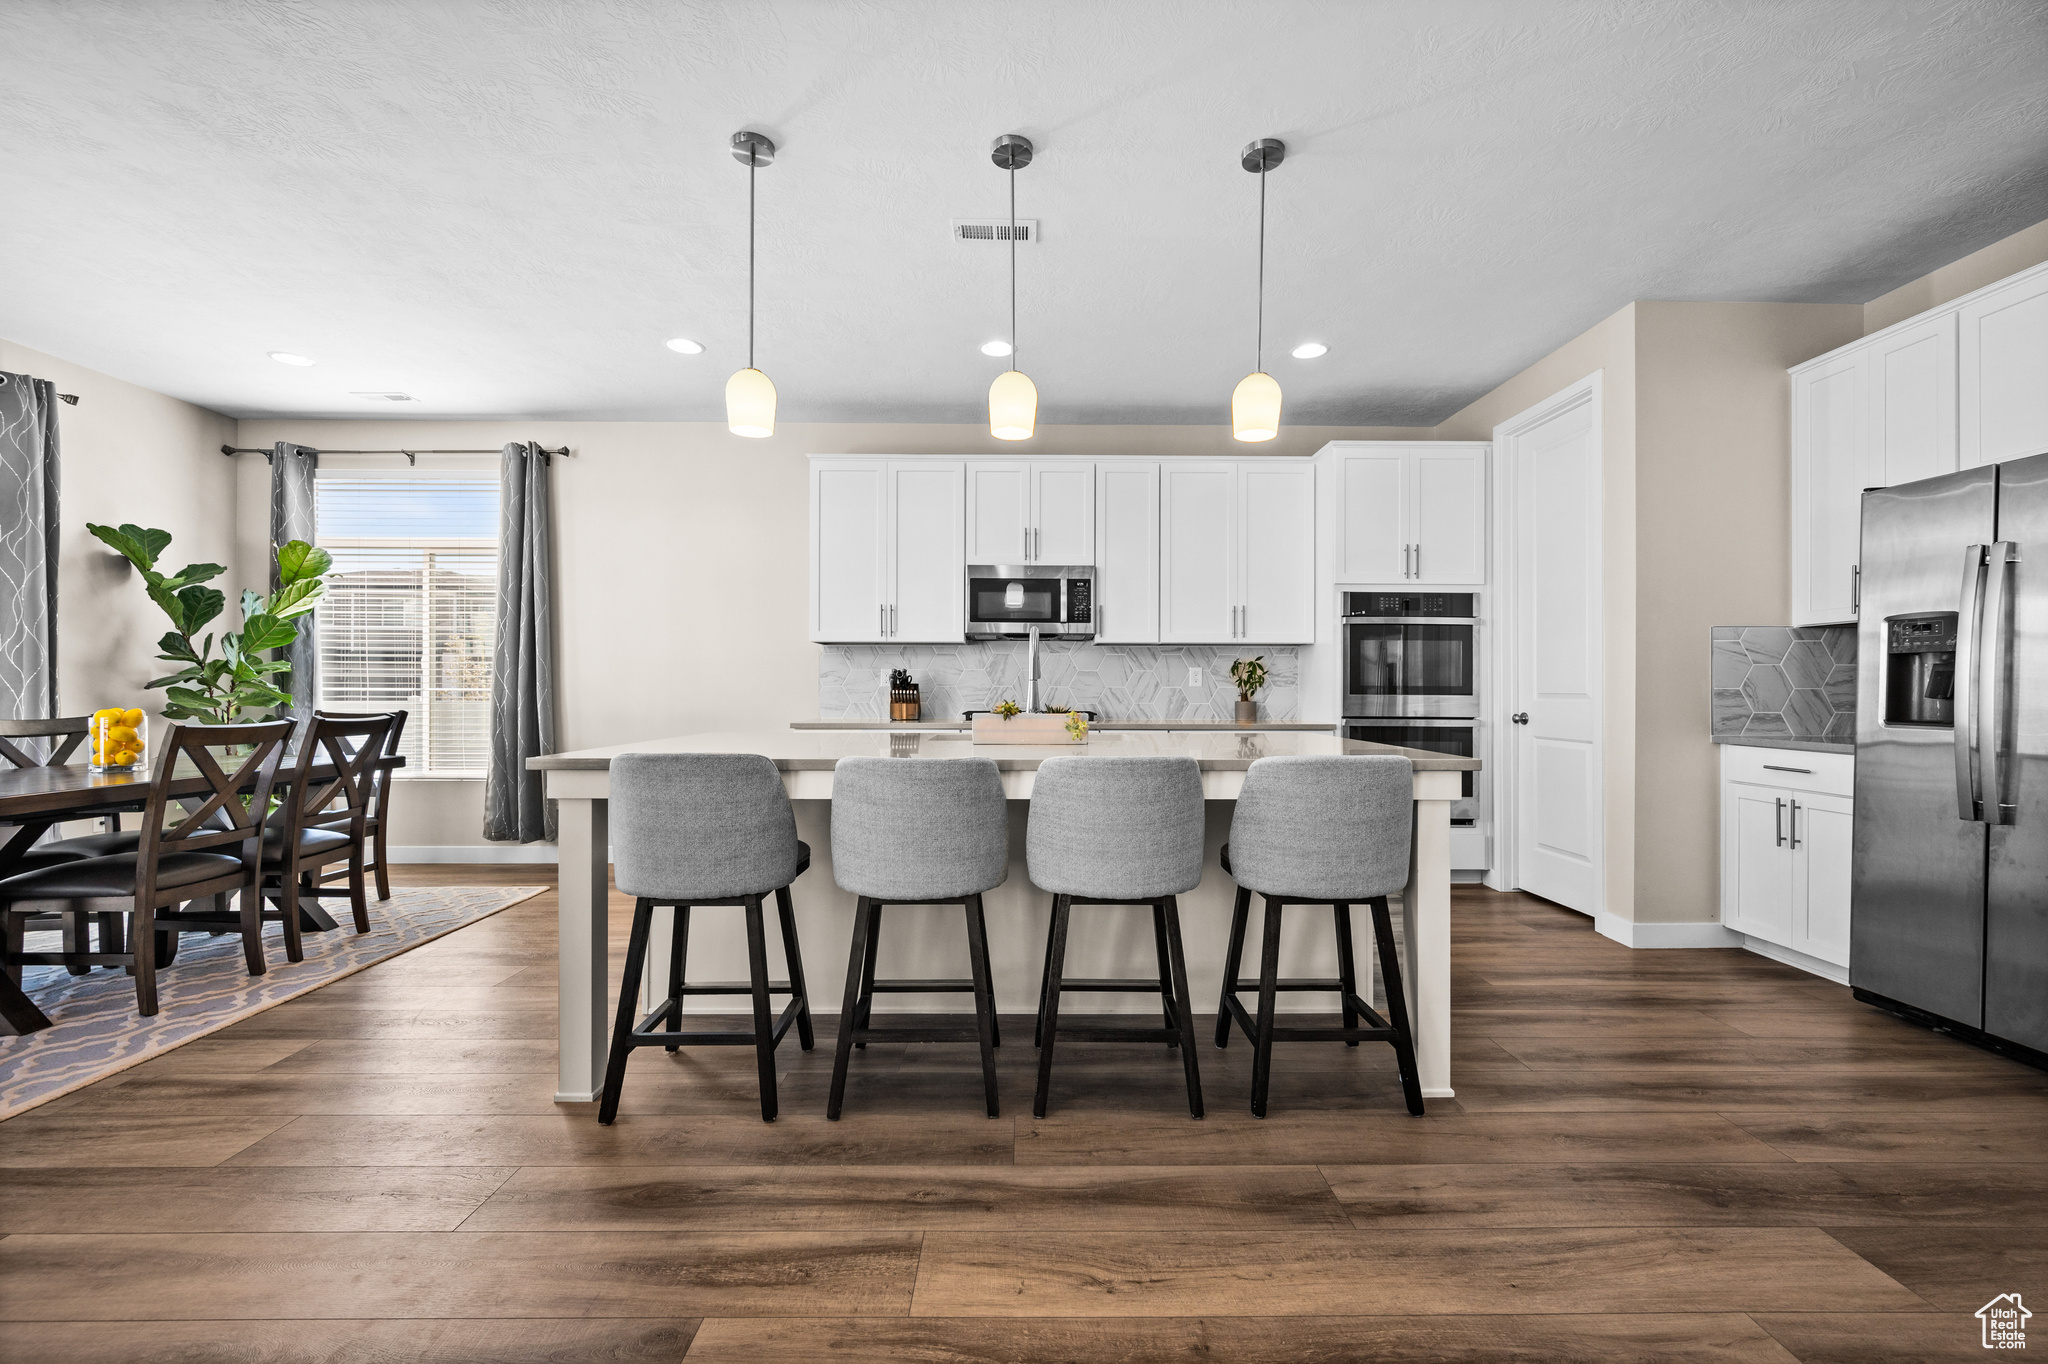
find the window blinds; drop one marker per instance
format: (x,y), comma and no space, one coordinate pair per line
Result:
(410,612)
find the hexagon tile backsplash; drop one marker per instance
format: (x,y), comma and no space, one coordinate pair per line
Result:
(1785,682)
(1116,681)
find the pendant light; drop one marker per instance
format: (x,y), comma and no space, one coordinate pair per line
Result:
(1012,398)
(750,394)
(1255,404)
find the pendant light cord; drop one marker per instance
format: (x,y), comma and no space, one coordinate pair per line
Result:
(1259,356)
(754,158)
(1013,262)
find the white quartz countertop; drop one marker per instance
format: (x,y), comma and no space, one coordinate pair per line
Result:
(1094,726)
(797,750)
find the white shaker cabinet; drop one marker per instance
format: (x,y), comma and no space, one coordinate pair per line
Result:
(1237,552)
(1037,513)
(887,562)
(1910,396)
(1786,821)
(1828,416)
(1410,512)
(1127,552)
(2003,362)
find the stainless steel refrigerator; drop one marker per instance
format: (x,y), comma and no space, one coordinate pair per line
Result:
(1950,908)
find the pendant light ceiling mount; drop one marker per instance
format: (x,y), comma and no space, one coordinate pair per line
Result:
(750,394)
(1012,398)
(1255,403)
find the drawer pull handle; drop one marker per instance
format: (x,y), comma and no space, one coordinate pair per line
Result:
(1803,771)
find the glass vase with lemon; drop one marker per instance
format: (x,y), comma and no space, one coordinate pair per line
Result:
(120,741)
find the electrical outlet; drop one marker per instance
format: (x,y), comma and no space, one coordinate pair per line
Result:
(1194,677)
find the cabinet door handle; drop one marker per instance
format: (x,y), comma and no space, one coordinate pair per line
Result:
(1855,587)
(1803,771)
(1795,823)
(882,619)
(1418,562)
(1778,819)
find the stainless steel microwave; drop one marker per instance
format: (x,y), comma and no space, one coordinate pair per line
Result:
(1005,600)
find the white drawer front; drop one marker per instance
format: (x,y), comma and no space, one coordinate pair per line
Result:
(1829,773)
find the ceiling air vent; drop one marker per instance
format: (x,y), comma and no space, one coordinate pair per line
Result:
(386,397)
(994,230)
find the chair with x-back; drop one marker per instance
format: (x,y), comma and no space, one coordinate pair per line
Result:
(324,819)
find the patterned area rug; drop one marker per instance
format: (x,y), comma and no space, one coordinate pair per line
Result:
(95,1030)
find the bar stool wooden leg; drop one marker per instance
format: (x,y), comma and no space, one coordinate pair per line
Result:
(1183,1010)
(1397,1007)
(849,1007)
(866,1016)
(629,1001)
(1233,960)
(984,1002)
(1165,970)
(678,963)
(1045,976)
(1269,980)
(764,1019)
(1347,966)
(1056,966)
(793,955)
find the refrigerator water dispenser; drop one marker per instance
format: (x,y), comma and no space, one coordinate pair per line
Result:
(1920,670)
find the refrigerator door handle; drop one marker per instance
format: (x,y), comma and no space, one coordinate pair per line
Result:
(1998,683)
(1967,684)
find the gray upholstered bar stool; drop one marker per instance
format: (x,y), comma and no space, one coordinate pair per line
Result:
(693,830)
(916,831)
(1320,831)
(1117,831)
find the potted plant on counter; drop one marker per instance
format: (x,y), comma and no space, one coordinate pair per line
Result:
(1249,675)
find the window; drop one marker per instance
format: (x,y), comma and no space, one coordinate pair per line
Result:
(411,608)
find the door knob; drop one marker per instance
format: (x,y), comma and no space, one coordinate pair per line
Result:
(1520,717)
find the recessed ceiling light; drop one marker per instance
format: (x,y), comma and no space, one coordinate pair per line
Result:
(995,348)
(285,357)
(685,346)
(1309,350)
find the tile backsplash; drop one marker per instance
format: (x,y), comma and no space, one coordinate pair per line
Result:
(1117,681)
(1785,682)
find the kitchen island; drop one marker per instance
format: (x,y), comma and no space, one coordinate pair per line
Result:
(580,782)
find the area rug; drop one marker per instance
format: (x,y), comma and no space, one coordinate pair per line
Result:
(95,1030)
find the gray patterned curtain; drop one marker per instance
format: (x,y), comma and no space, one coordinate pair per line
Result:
(292,468)
(28,548)
(523,663)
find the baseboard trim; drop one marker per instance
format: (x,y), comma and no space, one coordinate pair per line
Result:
(486,852)
(1643,935)
(1826,970)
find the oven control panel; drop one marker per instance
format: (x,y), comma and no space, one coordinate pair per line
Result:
(1441,604)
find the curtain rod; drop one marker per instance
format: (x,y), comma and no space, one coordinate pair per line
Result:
(232,450)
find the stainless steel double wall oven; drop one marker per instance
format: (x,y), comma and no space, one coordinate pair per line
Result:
(1411,676)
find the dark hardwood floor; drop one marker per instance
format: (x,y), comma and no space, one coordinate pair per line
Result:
(1670,1156)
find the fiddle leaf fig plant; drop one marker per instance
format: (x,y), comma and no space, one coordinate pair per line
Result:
(1249,674)
(216,689)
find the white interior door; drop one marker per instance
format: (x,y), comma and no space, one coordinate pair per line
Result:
(998,511)
(1197,524)
(1063,516)
(1127,553)
(1447,521)
(1372,509)
(1554,666)
(929,588)
(1276,553)
(849,551)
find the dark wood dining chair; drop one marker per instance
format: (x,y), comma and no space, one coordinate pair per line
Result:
(190,848)
(324,821)
(376,825)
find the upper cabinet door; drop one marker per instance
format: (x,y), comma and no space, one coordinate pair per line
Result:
(1828,410)
(1197,534)
(1447,524)
(1276,552)
(1912,396)
(2003,353)
(849,551)
(998,513)
(1063,519)
(1127,553)
(928,597)
(1372,492)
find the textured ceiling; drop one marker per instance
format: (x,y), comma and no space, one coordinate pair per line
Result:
(504,208)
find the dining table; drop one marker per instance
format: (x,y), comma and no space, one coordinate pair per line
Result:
(32,799)
(579,782)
